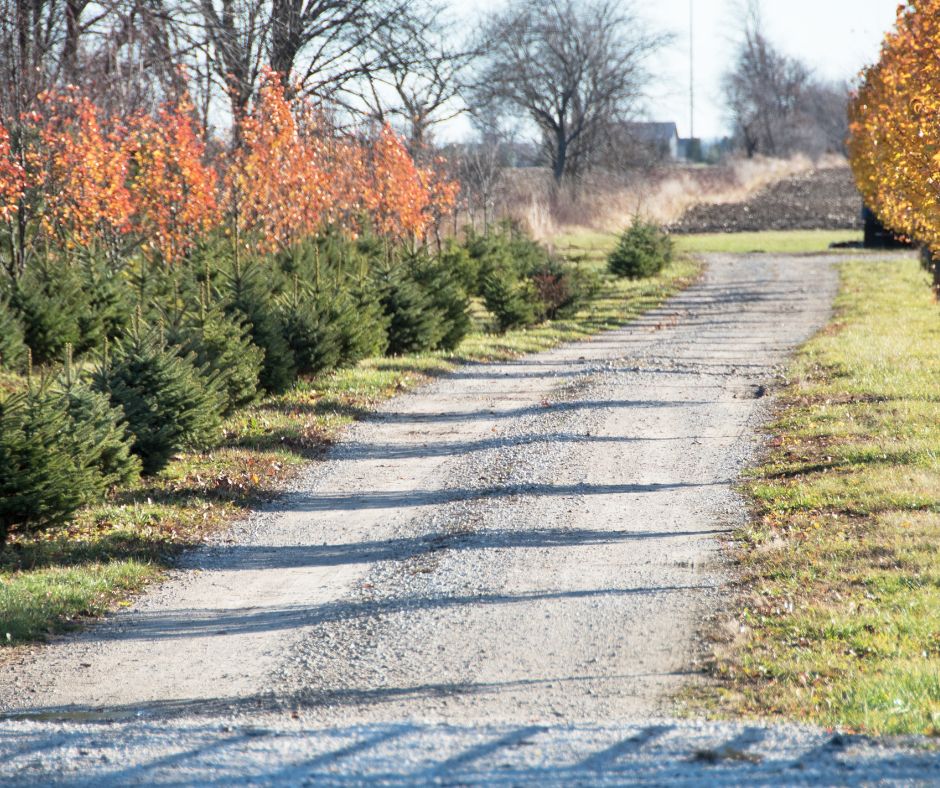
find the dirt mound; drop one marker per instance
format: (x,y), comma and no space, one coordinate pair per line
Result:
(823,199)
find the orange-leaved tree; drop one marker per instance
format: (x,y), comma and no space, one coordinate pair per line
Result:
(172,188)
(396,197)
(276,187)
(894,145)
(78,161)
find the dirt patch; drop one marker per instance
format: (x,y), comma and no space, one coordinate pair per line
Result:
(823,199)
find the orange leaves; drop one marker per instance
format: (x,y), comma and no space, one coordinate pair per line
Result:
(81,169)
(78,178)
(395,196)
(274,185)
(173,191)
(895,126)
(12,178)
(292,175)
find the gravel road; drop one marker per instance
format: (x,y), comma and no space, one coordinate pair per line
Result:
(498,578)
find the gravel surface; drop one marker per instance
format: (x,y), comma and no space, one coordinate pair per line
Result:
(825,199)
(498,578)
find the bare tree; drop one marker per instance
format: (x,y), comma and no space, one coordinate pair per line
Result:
(778,107)
(573,68)
(418,74)
(316,45)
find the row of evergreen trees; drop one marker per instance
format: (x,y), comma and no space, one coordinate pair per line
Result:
(162,355)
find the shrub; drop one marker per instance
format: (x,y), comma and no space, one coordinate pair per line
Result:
(169,405)
(642,251)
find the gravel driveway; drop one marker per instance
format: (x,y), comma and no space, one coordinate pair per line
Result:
(498,578)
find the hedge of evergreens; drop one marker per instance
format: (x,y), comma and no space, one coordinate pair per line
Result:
(164,353)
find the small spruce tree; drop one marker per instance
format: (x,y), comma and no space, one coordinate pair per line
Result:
(12,347)
(46,461)
(109,451)
(246,297)
(414,322)
(169,405)
(221,345)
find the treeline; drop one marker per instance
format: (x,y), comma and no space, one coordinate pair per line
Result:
(895,133)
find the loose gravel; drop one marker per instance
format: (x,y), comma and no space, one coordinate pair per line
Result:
(497,579)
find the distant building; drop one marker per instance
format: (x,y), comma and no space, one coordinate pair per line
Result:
(661,140)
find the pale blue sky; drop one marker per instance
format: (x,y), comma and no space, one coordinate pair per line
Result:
(835,37)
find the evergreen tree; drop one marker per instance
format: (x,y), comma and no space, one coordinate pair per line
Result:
(246,297)
(414,322)
(12,347)
(221,345)
(446,295)
(511,302)
(109,300)
(365,329)
(169,405)
(46,466)
(109,451)
(312,336)
(49,300)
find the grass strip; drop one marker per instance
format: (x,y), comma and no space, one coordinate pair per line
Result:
(838,618)
(52,582)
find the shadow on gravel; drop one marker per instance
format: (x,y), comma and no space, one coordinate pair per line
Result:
(411,753)
(246,557)
(395,499)
(210,623)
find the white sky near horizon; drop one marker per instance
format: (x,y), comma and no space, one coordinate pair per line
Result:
(836,38)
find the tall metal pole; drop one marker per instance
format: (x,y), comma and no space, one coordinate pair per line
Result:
(691,73)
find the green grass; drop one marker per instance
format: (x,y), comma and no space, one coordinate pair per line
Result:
(593,246)
(839,617)
(783,242)
(51,582)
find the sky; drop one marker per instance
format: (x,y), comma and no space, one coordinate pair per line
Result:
(836,38)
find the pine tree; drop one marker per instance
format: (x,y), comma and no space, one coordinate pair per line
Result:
(12,347)
(46,466)
(168,404)
(414,322)
(246,297)
(221,344)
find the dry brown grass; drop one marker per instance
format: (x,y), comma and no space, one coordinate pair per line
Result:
(608,203)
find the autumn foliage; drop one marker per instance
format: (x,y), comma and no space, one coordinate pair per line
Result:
(72,177)
(895,127)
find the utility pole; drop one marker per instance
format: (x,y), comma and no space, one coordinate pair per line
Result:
(691,73)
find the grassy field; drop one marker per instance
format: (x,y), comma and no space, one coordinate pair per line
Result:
(839,616)
(51,583)
(594,245)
